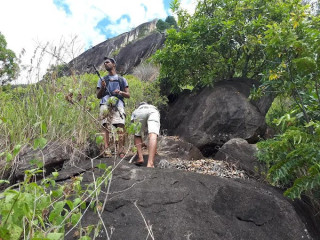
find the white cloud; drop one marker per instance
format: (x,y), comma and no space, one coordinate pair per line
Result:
(189,5)
(25,24)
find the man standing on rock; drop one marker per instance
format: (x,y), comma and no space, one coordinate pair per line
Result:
(112,90)
(148,116)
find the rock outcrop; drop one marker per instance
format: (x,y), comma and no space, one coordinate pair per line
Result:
(129,49)
(177,204)
(174,147)
(239,152)
(212,116)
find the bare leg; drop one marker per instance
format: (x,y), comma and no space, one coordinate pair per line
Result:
(138,144)
(120,132)
(152,149)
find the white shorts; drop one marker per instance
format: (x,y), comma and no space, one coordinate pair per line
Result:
(148,116)
(117,116)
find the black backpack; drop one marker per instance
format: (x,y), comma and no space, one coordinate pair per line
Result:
(121,83)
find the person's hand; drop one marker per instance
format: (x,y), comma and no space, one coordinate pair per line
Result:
(117,92)
(103,84)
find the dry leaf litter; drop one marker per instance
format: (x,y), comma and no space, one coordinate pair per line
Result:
(205,166)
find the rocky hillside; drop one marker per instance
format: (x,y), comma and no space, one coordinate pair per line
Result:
(129,49)
(206,183)
(186,196)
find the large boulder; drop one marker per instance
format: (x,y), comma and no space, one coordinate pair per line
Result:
(212,116)
(55,155)
(239,152)
(51,158)
(177,204)
(174,147)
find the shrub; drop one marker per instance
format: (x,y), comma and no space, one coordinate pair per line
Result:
(146,72)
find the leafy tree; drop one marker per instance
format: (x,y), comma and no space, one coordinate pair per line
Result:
(292,48)
(222,40)
(8,62)
(162,25)
(170,22)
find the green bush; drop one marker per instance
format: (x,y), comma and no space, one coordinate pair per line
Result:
(293,159)
(280,106)
(48,210)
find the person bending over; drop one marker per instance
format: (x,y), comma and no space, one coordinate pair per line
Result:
(149,116)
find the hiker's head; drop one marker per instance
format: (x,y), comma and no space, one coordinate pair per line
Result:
(109,63)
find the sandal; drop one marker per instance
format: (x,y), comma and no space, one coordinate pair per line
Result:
(138,163)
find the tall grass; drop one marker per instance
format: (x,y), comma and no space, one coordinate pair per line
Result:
(41,110)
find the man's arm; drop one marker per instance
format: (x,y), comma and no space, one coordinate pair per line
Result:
(125,93)
(100,91)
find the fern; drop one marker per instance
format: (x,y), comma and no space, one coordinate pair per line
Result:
(302,184)
(293,159)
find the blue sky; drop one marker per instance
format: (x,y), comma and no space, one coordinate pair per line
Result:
(80,24)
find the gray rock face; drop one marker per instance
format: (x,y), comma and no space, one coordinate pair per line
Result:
(174,147)
(52,157)
(136,52)
(213,116)
(184,205)
(129,49)
(178,204)
(239,152)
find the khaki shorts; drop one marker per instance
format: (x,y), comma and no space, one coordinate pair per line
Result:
(117,116)
(148,116)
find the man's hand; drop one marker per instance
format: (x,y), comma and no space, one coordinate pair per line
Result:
(117,91)
(103,84)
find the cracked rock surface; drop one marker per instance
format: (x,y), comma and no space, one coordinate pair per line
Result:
(179,204)
(180,198)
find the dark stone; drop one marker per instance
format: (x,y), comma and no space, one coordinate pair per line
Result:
(51,157)
(212,116)
(239,152)
(178,204)
(174,147)
(134,47)
(138,51)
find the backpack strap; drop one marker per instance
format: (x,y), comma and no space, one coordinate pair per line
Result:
(121,84)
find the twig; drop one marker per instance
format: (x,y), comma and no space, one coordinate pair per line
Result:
(145,222)
(131,159)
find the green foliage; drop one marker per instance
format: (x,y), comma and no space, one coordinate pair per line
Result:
(280,106)
(162,25)
(294,159)
(8,63)
(169,22)
(44,112)
(47,210)
(222,40)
